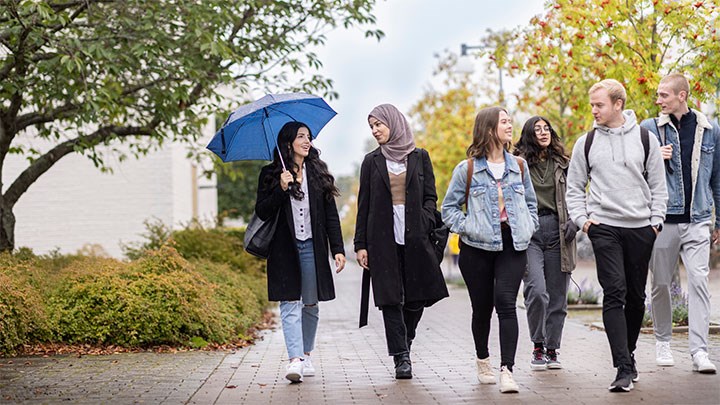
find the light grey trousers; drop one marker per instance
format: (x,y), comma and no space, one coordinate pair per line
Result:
(545,285)
(691,243)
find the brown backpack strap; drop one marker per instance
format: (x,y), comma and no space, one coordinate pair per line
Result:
(521,163)
(470,166)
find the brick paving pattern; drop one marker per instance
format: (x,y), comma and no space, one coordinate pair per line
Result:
(353,368)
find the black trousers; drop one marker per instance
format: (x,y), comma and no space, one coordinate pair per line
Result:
(401,320)
(493,280)
(622,256)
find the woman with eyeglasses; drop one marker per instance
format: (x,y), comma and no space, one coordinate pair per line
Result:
(552,250)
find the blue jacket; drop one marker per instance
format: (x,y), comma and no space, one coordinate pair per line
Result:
(705,167)
(480,228)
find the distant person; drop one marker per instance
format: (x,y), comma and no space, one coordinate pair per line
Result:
(494,234)
(552,251)
(691,149)
(298,270)
(396,207)
(622,213)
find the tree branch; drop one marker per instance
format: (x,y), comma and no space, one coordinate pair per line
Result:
(46,161)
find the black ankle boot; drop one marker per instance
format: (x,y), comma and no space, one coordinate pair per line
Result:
(403,366)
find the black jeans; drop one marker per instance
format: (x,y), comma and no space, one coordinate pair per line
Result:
(401,320)
(622,256)
(493,280)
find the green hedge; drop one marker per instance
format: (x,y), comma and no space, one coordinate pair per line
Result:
(205,289)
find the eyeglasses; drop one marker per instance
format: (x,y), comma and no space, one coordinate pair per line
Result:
(540,130)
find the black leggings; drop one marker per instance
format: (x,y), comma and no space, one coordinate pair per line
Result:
(493,280)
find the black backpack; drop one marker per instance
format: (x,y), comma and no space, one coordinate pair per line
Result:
(644,138)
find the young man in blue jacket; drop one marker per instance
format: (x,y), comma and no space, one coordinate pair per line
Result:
(690,145)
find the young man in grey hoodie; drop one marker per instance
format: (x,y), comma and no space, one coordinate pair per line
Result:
(622,213)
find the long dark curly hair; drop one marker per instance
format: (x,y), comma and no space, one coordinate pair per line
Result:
(528,146)
(317,169)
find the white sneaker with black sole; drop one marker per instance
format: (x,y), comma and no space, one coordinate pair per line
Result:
(294,371)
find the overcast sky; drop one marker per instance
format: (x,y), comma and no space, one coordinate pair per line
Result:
(397,69)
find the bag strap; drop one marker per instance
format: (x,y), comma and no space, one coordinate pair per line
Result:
(470,167)
(588,143)
(521,163)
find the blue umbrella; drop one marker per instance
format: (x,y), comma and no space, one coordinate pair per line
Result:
(250,132)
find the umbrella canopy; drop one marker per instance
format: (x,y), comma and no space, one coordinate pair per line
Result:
(250,132)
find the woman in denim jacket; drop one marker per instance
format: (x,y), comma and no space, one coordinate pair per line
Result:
(494,235)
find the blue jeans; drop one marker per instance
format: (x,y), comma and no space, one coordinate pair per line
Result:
(300,318)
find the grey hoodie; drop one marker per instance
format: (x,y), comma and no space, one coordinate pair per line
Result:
(618,194)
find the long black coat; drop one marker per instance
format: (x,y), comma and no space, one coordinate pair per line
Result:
(283,263)
(374,231)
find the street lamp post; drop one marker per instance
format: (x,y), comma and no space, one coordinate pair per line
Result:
(464,52)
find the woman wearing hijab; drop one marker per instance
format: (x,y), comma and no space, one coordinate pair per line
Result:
(299,189)
(396,207)
(495,231)
(552,250)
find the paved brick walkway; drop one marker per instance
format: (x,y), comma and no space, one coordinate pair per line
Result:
(352,367)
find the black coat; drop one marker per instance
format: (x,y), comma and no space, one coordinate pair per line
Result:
(283,263)
(374,231)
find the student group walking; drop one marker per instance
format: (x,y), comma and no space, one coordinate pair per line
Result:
(646,194)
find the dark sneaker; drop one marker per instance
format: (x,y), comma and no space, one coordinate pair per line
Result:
(552,360)
(623,380)
(635,376)
(403,366)
(538,361)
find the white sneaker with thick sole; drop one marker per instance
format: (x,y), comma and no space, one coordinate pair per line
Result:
(485,373)
(663,354)
(295,371)
(507,382)
(702,364)
(308,368)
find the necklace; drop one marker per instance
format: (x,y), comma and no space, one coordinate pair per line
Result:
(547,169)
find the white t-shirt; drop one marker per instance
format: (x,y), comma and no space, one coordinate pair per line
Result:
(301,211)
(399,209)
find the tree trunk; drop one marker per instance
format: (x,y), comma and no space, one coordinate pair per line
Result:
(7,229)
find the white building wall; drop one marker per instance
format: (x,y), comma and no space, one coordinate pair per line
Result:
(74,204)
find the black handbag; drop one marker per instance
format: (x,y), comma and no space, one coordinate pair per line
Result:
(259,234)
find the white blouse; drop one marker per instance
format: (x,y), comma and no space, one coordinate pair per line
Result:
(399,209)
(301,211)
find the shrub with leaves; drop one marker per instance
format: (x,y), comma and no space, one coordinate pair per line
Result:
(678,303)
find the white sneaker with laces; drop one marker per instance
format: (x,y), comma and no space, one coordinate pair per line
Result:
(663,354)
(702,364)
(484,371)
(308,368)
(507,382)
(295,371)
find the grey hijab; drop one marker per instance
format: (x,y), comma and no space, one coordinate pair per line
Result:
(401,141)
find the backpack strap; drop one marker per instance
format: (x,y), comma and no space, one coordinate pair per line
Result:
(470,166)
(645,139)
(521,163)
(588,143)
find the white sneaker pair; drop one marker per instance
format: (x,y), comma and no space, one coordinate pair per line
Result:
(486,375)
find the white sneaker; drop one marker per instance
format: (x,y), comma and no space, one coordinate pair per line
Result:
(308,368)
(663,354)
(484,371)
(295,371)
(702,364)
(507,383)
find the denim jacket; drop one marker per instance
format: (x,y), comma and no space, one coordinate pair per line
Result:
(480,227)
(705,166)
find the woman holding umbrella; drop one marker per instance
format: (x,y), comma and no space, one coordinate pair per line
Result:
(298,188)
(552,250)
(396,203)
